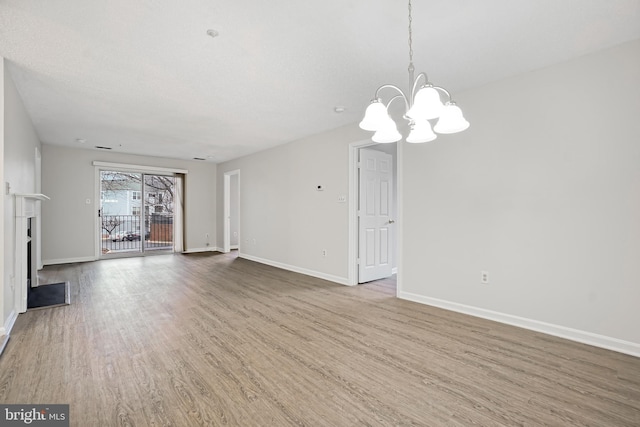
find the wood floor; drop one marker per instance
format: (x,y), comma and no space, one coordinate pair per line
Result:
(208,339)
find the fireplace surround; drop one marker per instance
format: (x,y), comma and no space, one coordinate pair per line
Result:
(28,250)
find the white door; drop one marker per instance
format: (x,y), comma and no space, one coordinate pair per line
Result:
(374,215)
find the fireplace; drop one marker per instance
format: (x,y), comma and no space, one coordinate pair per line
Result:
(28,254)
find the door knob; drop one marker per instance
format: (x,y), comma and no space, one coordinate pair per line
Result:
(391,221)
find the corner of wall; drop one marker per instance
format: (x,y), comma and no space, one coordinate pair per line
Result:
(4,283)
(19,171)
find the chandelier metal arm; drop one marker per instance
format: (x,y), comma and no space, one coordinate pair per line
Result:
(396,97)
(446,92)
(416,81)
(401,94)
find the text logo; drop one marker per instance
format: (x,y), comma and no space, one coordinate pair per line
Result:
(34,415)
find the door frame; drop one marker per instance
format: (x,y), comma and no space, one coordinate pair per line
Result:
(226,233)
(354,193)
(122,167)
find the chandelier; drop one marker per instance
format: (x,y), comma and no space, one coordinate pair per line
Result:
(423,104)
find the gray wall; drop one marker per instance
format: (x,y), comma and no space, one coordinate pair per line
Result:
(69,178)
(543,192)
(281,209)
(19,144)
(283,219)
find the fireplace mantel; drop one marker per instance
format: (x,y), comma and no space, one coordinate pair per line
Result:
(26,204)
(27,207)
(38,196)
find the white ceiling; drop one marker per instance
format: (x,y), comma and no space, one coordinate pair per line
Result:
(143,77)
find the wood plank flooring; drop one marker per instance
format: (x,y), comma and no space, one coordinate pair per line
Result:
(209,339)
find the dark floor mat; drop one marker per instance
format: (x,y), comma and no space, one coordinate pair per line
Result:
(44,296)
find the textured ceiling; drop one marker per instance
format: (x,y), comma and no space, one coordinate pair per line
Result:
(143,77)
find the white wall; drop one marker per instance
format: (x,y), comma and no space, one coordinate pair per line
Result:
(69,178)
(6,284)
(543,192)
(20,142)
(284,220)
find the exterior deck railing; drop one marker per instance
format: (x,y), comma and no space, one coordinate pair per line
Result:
(126,233)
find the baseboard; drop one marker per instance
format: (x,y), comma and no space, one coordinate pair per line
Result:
(312,273)
(11,320)
(205,249)
(87,259)
(232,247)
(8,324)
(67,260)
(4,339)
(583,337)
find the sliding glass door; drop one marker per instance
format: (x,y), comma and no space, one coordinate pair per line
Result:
(136,213)
(159,191)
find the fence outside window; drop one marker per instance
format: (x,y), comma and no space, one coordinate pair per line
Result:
(126,233)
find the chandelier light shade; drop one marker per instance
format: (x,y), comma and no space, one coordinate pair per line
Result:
(387,134)
(424,103)
(421,132)
(375,115)
(451,120)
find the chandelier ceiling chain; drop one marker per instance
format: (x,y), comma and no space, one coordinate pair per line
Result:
(420,106)
(411,67)
(410,36)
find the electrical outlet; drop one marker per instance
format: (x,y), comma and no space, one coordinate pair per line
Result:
(484,277)
(324,252)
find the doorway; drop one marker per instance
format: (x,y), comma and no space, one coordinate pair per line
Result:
(231,232)
(373,235)
(137,213)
